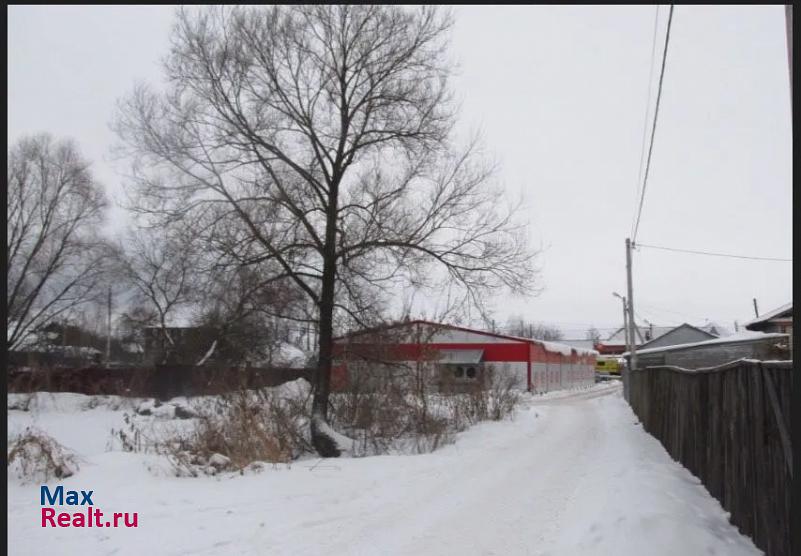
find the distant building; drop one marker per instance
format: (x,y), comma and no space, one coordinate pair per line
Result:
(450,357)
(652,336)
(616,343)
(717,351)
(779,321)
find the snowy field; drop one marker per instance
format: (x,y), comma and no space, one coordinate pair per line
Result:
(570,474)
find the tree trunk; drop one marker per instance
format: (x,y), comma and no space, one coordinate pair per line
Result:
(322,442)
(325,445)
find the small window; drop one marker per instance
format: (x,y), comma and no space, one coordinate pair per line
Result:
(471,372)
(458,372)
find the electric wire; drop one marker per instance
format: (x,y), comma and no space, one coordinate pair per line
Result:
(647,113)
(712,254)
(653,127)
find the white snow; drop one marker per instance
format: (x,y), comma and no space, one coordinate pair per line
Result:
(556,348)
(288,355)
(572,473)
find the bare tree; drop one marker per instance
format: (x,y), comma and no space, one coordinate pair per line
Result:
(594,335)
(249,313)
(132,322)
(55,257)
(159,264)
(325,132)
(517,326)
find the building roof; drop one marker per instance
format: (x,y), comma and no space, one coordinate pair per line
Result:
(554,347)
(783,311)
(618,337)
(740,337)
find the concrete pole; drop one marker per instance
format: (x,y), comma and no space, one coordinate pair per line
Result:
(633,351)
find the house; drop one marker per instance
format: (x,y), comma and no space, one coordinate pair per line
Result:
(179,345)
(779,320)
(682,334)
(56,344)
(449,357)
(717,351)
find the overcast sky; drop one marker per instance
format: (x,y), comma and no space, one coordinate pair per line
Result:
(560,96)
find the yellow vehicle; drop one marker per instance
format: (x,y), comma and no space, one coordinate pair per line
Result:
(608,365)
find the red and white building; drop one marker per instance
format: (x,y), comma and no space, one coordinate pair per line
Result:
(464,354)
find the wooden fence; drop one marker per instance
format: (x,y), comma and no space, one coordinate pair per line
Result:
(163,382)
(730,427)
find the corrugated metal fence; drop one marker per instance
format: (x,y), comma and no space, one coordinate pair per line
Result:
(730,426)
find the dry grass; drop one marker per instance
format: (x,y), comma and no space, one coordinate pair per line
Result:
(34,456)
(231,432)
(238,429)
(395,417)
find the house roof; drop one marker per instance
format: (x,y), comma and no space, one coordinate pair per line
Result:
(783,311)
(746,336)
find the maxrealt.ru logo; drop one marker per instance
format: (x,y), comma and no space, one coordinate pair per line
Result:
(88,516)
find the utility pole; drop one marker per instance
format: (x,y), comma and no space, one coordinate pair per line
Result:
(633,351)
(108,328)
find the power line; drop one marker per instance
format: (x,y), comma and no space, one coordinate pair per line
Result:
(653,128)
(647,110)
(714,254)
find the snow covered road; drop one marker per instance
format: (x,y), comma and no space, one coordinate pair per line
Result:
(571,474)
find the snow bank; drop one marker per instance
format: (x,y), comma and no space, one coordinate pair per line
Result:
(295,389)
(557,348)
(288,355)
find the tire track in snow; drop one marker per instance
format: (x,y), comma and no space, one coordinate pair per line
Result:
(508,497)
